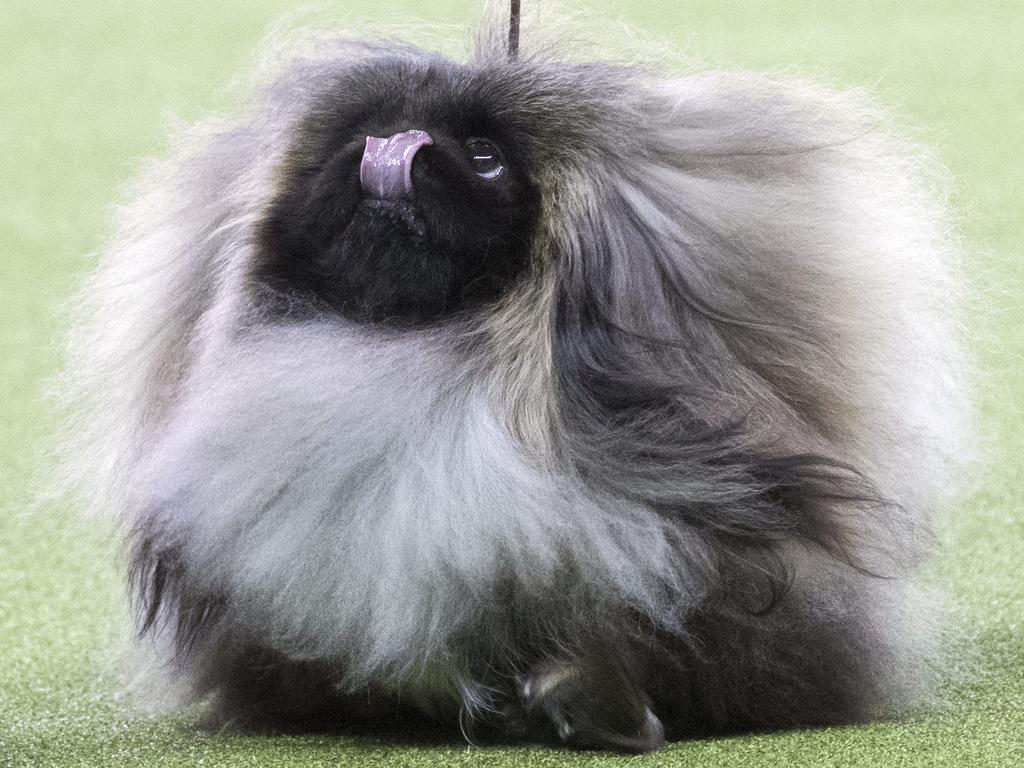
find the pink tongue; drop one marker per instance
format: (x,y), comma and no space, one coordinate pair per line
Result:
(386,170)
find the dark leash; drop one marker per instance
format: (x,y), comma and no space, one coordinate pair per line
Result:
(513,31)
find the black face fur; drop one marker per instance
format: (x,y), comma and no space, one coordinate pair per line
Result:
(459,244)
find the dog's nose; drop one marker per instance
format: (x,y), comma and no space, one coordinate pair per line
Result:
(386,169)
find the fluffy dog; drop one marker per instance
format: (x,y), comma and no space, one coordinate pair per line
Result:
(577,401)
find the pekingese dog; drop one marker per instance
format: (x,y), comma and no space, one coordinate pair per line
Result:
(570,402)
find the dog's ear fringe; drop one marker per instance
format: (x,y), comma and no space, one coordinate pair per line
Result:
(796,227)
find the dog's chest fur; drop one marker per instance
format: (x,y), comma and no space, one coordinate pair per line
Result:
(391,511)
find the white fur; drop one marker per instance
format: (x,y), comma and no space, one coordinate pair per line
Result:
(358,511)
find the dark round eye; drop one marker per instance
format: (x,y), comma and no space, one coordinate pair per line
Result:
(484,158)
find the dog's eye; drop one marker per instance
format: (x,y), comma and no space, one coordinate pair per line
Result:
(484,158)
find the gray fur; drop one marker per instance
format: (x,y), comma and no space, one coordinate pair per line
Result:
(704,439)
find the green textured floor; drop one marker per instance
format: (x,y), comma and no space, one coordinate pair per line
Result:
(86,88)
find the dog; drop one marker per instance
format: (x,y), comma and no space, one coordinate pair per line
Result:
(570,401)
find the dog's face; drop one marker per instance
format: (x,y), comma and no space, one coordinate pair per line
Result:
(406,199)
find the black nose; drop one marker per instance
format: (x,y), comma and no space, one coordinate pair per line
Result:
(386,168)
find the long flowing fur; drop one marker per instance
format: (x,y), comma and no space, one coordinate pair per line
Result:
(712,424)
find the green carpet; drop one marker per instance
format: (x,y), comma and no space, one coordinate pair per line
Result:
(86,89)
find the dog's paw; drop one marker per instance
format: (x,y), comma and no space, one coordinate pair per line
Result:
(590,708)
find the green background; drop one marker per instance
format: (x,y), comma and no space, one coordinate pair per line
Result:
(88,88)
